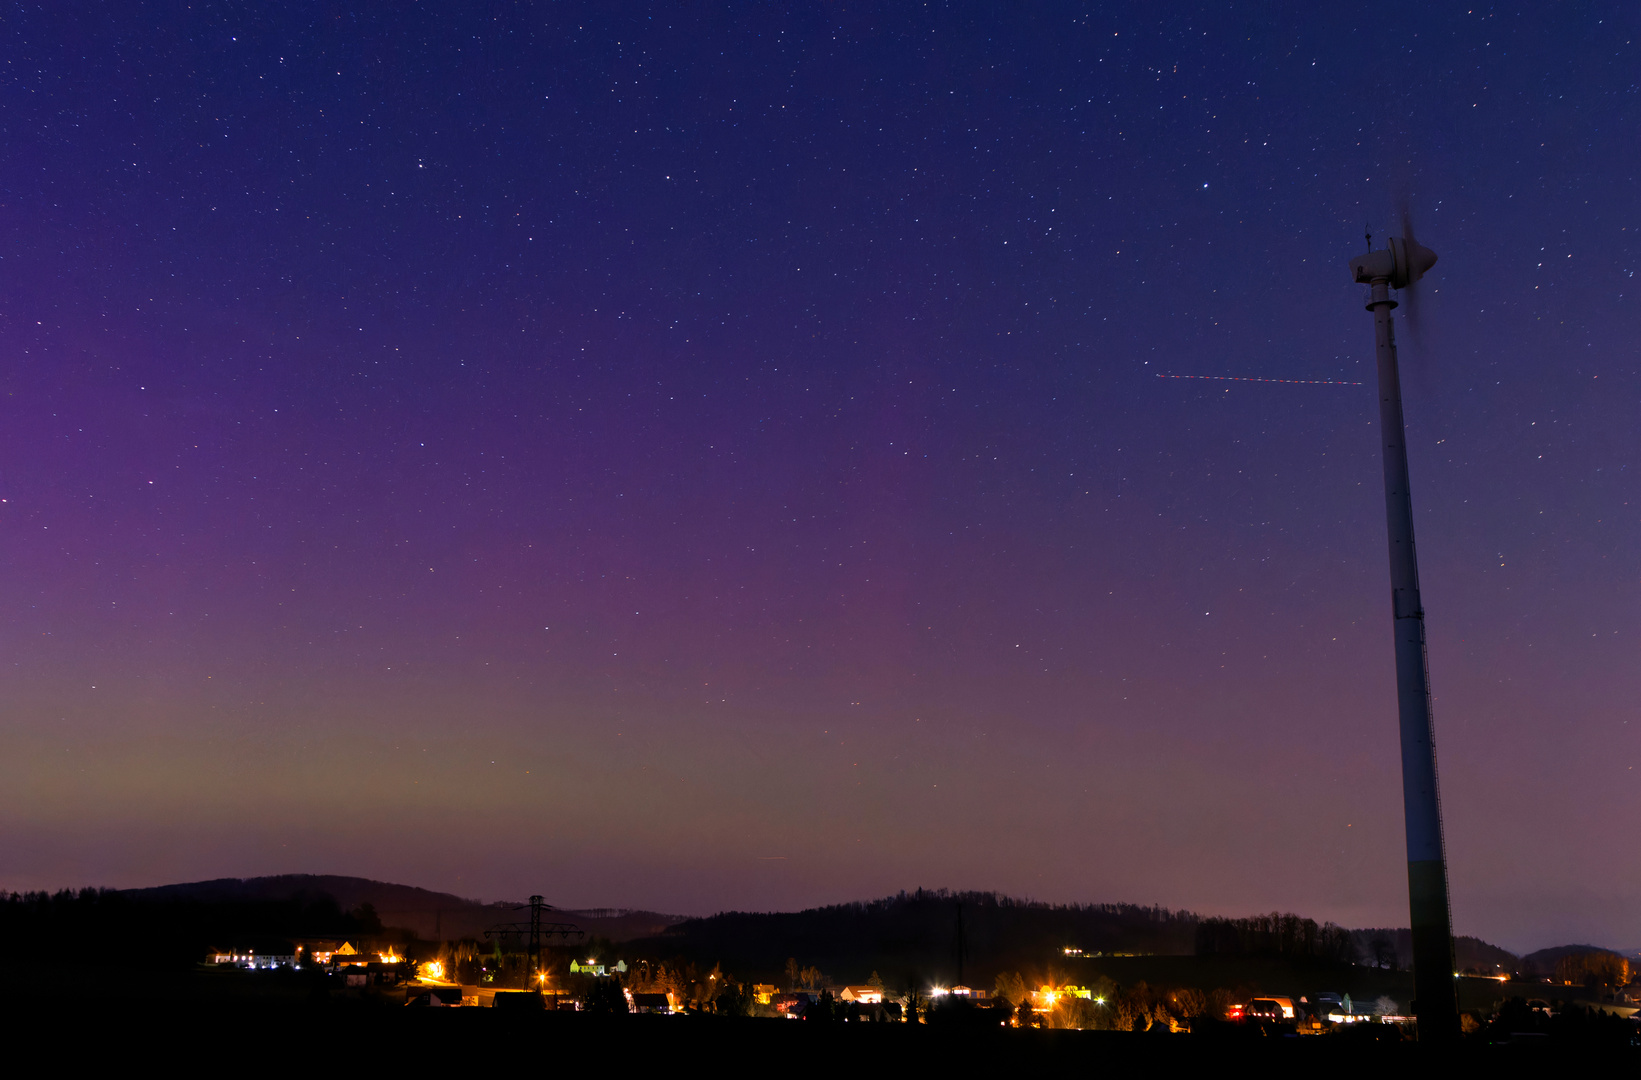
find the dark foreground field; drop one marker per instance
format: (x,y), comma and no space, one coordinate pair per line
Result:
(482,1042)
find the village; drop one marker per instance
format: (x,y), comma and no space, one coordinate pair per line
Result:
(463,975)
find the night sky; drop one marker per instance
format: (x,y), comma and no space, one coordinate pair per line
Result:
(714,458)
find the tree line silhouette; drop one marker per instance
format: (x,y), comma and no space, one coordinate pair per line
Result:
(1279,934)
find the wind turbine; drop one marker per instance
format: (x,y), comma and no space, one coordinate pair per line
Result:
(1400,266)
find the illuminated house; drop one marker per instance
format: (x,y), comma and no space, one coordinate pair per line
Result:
(372,973)
(594,968)
(1043,1000)
(650,1003)
(866,995)
(343,955)
(316,950)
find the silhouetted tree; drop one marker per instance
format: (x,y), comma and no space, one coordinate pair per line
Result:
(1187,1003)
(1010,987)
(734,1000)
(1278,934)
(604,996)
(365,920)
(1597,969)
(823,1009)
(914,1004)
(1071,1011)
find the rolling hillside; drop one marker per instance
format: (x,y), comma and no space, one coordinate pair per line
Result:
(430,915)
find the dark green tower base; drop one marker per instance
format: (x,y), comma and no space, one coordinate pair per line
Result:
(1436,1004)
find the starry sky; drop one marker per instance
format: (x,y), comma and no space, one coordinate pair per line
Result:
(703,457)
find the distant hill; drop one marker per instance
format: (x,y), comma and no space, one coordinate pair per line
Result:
(623,924)
(349,892)
(1469,953)
(914,935)
(1543,962)
(430,915)
(901,935)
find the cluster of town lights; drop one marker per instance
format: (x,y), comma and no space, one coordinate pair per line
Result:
(1048,994)
(1044,999)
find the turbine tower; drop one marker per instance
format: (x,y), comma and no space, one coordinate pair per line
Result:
(1435,1004)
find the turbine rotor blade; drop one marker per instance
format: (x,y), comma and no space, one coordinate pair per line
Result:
(1415,261)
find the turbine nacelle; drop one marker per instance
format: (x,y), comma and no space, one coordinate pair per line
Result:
(1400,265)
